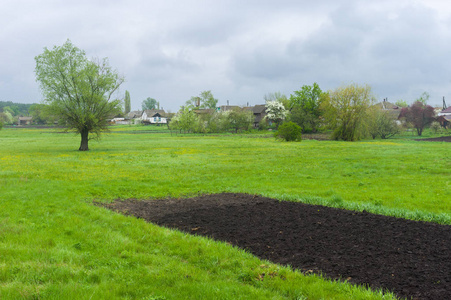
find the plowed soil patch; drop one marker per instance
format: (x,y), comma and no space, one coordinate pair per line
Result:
(437,139)
(411,259)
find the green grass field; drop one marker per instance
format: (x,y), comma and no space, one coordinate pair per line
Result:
(55,244)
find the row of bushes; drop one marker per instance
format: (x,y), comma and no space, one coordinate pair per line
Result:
(236,120)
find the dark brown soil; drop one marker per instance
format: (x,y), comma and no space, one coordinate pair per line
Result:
(411,259)
(438,139)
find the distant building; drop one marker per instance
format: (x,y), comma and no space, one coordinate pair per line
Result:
(259,112)
(228,107)
(392,109)
(445,112)
(154,116)
(136,114)
(444,117)
(24,120)
(120,121)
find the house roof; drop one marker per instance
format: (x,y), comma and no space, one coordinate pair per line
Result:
(387,105)
(446,111)
(203,111)
(392,109)
(228,107)
(134,114)
(153,112)
(25,118)
(258,109)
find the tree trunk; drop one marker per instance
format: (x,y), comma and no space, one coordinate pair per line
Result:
(84,140)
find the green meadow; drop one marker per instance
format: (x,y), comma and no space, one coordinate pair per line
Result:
(56,244)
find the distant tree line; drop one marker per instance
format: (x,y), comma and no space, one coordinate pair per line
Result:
(349,112)
(191,121)
(10,113)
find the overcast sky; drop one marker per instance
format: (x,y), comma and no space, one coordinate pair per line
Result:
(240,50)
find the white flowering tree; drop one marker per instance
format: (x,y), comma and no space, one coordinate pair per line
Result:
(275,112)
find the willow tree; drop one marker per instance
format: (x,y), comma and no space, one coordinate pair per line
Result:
(79,91)
(345,109)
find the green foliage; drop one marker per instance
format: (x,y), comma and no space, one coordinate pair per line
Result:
(127,104)
(345,109)
(185,120)
(290,132)
(149,103)
(77,90)
(41,114)
(208,100)
(381,124)
(304,106)
(211,121)
(11,109)
(240,119)
(16,109)
(263,124)
(424,98)
(6,117)
(436,127)
(401,103)
(204,101)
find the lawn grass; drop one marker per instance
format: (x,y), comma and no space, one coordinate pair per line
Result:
(54,242)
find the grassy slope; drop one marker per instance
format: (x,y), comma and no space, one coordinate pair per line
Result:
(54,242)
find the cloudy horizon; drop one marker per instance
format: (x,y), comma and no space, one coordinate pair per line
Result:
(240,50)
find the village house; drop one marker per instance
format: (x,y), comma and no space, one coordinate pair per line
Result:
(134,117)
(228,107)
(259,112)
(392,109)
(204,111)
(154,116)
(24,120)
(444,117)
(120,121)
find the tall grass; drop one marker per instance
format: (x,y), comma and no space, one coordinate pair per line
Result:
(55,243)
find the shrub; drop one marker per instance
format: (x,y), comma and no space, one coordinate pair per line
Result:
(435,127)
(289,131)
(381,124)
(263,124)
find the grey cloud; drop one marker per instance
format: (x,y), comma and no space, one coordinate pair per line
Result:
(239,49)
(358,45)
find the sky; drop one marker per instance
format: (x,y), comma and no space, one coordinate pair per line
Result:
(240,50)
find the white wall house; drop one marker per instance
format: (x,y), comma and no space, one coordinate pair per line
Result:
(445,112)
(154,116)
(120,121)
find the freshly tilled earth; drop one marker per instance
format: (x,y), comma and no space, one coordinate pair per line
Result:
(411,259)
